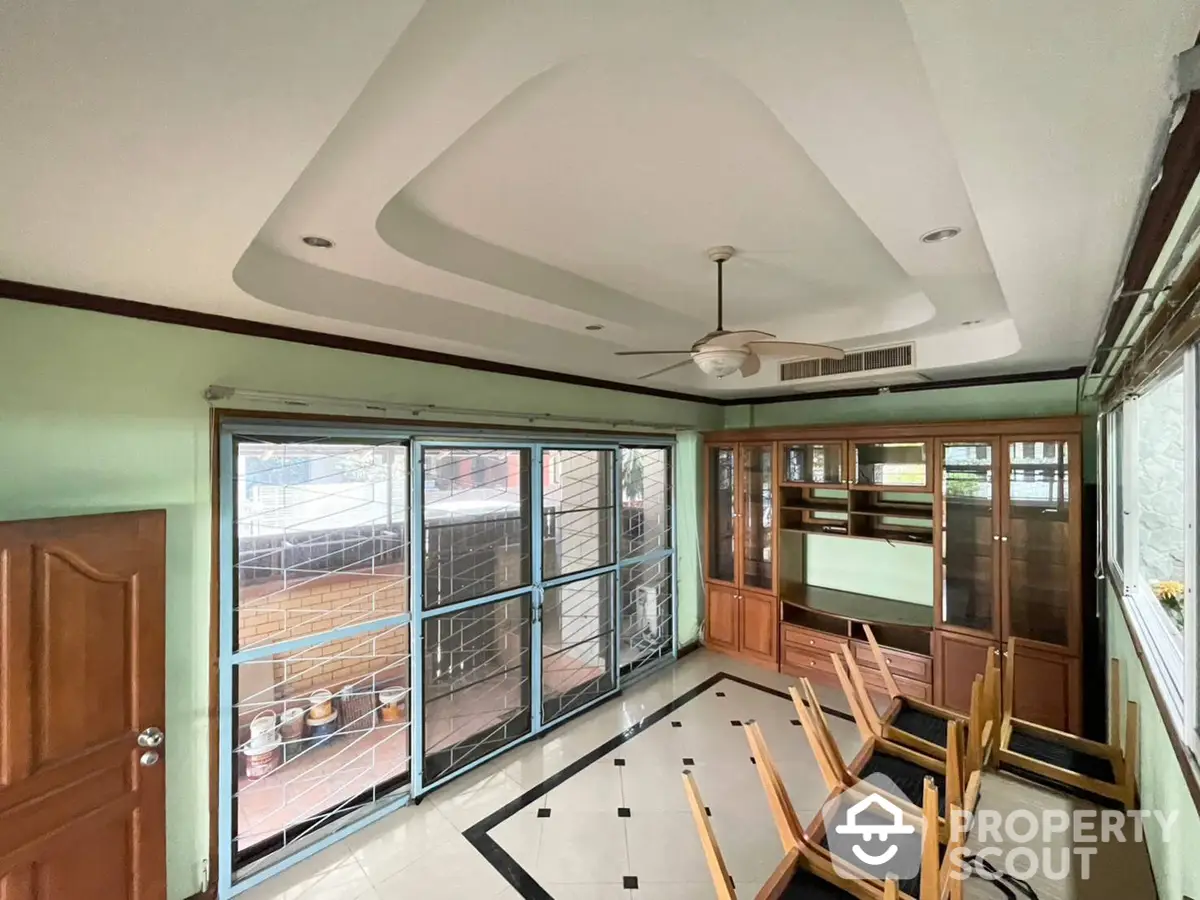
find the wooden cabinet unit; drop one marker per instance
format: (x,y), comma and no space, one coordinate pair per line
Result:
(740,560)
(998,504)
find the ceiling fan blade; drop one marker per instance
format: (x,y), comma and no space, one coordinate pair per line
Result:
(751,366)
(734,339)
(792,348)
(648,352)
(686,362)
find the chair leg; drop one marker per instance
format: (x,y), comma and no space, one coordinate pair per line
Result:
(708,839)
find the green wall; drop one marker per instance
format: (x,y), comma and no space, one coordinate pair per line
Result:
(101,414)
(897,571)
(1160,780)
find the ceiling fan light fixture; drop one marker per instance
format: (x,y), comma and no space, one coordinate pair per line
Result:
(720,361)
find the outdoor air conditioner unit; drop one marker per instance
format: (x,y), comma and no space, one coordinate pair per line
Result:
(893,364)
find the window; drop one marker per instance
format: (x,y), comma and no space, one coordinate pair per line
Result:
(1150,473)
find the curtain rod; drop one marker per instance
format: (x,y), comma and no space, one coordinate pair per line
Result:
(221,395)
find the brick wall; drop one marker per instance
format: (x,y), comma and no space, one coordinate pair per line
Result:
(272,612)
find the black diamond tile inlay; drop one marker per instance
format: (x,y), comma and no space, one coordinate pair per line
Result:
(676,724)
(708,812)
(630,882)
(543,814)
(688,761)
(795,721)
(735,723)
(623,812)
(720,693)
(618,762)
(752,762)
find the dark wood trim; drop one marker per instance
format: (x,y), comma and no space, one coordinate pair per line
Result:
(131,309)
(1024,428)
(1072,373)
(186,318)
(1191,774)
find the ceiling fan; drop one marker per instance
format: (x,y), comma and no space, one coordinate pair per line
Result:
(720,352)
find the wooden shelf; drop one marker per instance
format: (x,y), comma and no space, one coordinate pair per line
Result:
(899,510)
(816,506)
(856,607)
(839,529)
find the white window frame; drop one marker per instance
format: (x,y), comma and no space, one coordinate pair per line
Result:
(1174,665)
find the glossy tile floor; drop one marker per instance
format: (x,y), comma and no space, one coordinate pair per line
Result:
(617,815)
(604,824)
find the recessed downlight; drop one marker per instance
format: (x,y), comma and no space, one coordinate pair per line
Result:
(314,240)
(593,327)
(940,234)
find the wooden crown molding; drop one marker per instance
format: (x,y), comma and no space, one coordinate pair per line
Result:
(167,315)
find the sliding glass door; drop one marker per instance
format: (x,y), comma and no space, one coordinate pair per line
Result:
(477,604)
(647,582)
(398,608)
(578,560)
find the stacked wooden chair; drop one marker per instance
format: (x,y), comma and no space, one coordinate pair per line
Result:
(957,783)
(1093,770)
(807,870)
(916,724)
(920,725)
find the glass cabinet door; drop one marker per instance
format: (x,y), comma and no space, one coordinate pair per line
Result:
(816,463)
(1036,535)
(757,512)
(891,464)
(722,497)
(970,531)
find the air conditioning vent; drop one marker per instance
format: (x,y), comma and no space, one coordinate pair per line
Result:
(858,362)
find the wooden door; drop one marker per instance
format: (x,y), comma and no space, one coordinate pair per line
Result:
(721,514)
(759,626)
(958,658)
(82,605)
(722,617)
(756,514)
(1047,687)
(966,526)
(1041,555)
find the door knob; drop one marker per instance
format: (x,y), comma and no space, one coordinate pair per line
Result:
(152,737)
(149,758)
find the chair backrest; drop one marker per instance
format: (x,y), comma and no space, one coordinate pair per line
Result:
(708,840)
(787,823)
(880,660)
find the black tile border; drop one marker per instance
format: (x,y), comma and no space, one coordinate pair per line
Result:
(508,867)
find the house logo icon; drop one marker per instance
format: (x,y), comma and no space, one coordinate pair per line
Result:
(863,819)
(869,834)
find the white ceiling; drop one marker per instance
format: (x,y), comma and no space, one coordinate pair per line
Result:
(497,176)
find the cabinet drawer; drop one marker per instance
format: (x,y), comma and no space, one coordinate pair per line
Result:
(799,661)
(907,664)
(814,641)
(918,690)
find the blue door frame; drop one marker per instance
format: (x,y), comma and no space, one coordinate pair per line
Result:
(417,441)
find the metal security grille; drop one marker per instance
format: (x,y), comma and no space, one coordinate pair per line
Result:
(318,723)
(897,356)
